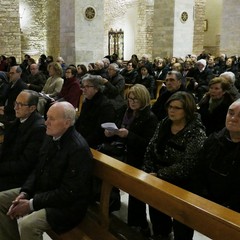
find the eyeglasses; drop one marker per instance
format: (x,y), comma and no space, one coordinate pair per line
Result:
(86,87)
(134,100)
(174,107)
(20,105)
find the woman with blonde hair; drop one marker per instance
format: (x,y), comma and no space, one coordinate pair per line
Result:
(137,128)
(52,87)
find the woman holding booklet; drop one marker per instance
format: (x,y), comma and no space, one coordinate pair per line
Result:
(137,128)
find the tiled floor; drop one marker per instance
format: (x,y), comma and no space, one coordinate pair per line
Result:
(123,215)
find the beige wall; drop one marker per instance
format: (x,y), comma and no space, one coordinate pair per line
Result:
(214,22)
(230,31)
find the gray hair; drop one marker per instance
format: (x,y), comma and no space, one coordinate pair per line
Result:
(69,111)
(18,69)
(114,66)
(176,73)
(94,80)
(229,75)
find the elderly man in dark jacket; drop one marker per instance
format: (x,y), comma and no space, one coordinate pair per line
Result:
(22,141)
(56,194)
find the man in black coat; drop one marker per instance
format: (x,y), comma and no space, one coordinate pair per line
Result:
(56,194)
(22,141)
(173,84)
(16,85)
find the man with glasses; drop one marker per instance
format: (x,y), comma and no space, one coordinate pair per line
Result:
(7,112)
(57,193)
(173,84)
(22,141)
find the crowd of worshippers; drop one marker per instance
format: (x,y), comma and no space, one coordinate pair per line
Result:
(189,137)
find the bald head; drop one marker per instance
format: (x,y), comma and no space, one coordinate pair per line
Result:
(60,117)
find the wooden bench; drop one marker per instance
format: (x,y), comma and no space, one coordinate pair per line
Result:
(206,217)
(78,110)
(159,85)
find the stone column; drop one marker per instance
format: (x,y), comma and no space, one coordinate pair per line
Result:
(10,37)
(81,40)
(173,28)
(199,17)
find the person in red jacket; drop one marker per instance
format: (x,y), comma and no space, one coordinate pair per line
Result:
(71,90)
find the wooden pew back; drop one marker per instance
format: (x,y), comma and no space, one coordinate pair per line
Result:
(206,217)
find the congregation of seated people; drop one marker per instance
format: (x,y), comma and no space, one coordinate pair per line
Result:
(200,93)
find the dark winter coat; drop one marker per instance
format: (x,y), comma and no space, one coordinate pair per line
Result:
(94,112)
(174,158)
(219,170)
(61,183)
(140,132)
(20,149)
(214,121)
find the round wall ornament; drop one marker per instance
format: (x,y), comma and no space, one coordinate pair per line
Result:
(90,13)
(184,16)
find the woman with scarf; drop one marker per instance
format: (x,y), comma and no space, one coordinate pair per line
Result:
(214,105)
(137,128)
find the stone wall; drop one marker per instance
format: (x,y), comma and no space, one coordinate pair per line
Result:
(163,28)
(144,38)
(10,38)
(199,17)
(52,30)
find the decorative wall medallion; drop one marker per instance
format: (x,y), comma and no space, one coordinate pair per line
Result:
(90,13)
(184,17)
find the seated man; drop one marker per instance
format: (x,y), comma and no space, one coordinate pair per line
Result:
(218,177)
(22,141)
(173,84)
(7,112)
(56,194)
(36,80)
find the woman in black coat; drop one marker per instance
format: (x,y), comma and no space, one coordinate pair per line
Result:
(96,109)
(138,126)
(214,105)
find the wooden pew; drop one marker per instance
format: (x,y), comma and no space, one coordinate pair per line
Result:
(206,217)
(159,85)
(78,110)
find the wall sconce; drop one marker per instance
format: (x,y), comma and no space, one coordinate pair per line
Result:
(205,25)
